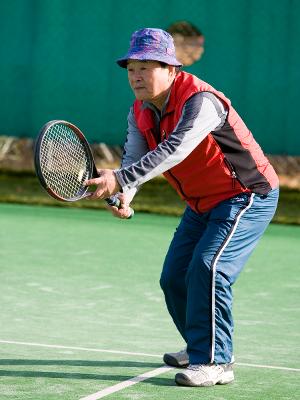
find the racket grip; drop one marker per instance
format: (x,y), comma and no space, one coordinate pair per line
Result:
(113,201)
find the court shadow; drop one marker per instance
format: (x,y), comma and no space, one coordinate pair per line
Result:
(80,363)
(79,375)
(63,375)
(161,381)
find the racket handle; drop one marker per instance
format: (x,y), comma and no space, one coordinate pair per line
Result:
(113,201)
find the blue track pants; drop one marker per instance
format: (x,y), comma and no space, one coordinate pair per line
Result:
(205,257)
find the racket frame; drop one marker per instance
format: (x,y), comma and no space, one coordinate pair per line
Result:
(92,170)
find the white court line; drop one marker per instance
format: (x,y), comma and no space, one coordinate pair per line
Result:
(267,366)
(57,346)
(127,383)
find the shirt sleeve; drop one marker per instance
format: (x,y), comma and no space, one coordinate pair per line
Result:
(135,146)
(202,114)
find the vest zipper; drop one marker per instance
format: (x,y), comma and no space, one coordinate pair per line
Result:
(182,192)
(178,184)
(234,176)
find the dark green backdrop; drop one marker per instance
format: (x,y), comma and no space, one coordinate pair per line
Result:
(57,61)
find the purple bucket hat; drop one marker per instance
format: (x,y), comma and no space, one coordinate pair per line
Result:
(151,44)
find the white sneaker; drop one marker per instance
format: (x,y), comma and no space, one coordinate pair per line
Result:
(180,359)
(205,375)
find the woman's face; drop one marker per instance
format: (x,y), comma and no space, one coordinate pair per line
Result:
(150,81)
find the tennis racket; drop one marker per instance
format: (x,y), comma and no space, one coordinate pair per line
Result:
(64,161)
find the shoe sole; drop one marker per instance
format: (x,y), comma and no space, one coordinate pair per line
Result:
(182,380)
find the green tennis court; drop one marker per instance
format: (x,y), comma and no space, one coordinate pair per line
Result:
(82,311)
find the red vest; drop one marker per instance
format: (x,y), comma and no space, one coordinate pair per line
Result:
(226,163)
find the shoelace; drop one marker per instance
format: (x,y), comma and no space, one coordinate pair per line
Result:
(204,369)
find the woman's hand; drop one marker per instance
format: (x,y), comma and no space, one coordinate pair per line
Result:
(106,183)
(124,211)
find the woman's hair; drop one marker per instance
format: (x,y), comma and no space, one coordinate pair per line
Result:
(164,65)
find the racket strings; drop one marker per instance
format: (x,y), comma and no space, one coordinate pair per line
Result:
(64,161)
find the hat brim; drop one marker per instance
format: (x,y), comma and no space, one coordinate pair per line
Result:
(149,56)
